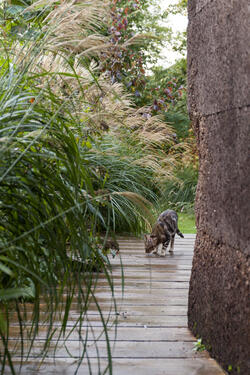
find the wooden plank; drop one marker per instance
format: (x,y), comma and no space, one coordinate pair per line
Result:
(133,310)
(121,320)
(152,261)
(120,349)
(126,255)
(150,272)
(144,301)
(140,299)
(146,285)
(155,278)
(178,275)
(121,334)
(103,294)
(157,267)
(130,292)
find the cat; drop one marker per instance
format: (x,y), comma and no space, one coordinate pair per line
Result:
(163,232)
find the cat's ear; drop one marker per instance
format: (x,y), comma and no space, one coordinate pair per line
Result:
(145,237)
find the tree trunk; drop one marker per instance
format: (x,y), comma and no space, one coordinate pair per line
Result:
(219,106)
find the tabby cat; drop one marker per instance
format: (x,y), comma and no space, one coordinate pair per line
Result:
(163,232)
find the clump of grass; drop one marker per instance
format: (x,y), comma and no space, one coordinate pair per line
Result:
(199,346)
(179,193)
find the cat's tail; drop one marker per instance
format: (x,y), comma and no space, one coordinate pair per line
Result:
(179,233)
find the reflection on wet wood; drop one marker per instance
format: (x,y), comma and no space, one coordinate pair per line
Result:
(151,338)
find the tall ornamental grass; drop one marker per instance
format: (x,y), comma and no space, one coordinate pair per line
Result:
(47,213)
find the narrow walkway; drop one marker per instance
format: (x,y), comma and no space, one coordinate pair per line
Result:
(152,335)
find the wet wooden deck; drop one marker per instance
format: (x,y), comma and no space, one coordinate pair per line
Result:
(152,336)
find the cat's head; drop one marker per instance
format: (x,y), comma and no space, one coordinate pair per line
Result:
(150,242)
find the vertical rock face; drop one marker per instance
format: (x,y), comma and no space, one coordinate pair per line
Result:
(219,106)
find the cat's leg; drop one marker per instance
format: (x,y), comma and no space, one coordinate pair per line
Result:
(171,249)
(164,248)
(159,249)
(156,250)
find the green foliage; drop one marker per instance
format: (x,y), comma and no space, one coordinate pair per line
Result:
(178,41)
(179,193)
(44,206)
(179,6)
(20,24)
(199,346)
(180,122)
(136,36)
(231,368)
(122,186)
(167,88)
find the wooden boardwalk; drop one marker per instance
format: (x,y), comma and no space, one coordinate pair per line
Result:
(152,335)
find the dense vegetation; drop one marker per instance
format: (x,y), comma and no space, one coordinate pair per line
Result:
(90,145)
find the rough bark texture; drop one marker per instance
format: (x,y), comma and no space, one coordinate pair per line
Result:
(219,106)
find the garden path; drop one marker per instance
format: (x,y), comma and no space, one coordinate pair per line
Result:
(152,335)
